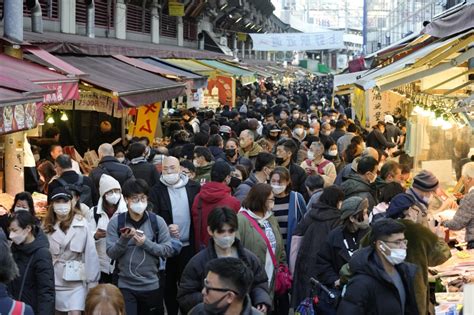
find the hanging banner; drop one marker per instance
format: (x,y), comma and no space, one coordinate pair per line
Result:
(62,92)
(18,117)
(298,41)
(358,103)
(381,104)
(147,120)
(176,9)
(242,37)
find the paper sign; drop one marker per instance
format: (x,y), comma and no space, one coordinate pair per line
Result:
(241,37)
(176,9)
(147,119)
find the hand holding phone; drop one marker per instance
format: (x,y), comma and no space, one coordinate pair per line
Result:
(127,232)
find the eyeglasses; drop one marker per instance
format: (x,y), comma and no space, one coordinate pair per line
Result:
(143,198)
(398,242)
(208,288)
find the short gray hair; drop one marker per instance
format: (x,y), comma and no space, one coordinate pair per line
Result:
(468,170)
(106,149)
(248,133)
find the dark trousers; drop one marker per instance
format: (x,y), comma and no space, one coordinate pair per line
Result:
(143,302)
(174,269)
(281,304)
(109,278)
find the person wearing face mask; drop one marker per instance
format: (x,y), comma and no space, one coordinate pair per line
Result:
(290,206)
(203,162)
(325,133)
(361,183)
(22,202)
(286,152)
(222,227)
(264,165)
(172,198)
(30,249)
(317,164)
(233,157)
(226,287)
(312,231)
(72,248)
(382,282)
(260,234)
(342,242)
(111,166)
(141,168)
(120,155)
(137,240)
(273,134)
(111,204)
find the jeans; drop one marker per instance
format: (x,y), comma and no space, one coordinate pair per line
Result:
(174,269)
(143,302)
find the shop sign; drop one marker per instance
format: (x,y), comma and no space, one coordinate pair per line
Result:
(92,100)
(381,104)
(18,117)
(147,120)
(298,41)
(226,89)
(241,37)
(176,9)
(62,92)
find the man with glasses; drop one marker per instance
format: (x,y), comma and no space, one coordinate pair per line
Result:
(136,240)
(226,288)
(382,282)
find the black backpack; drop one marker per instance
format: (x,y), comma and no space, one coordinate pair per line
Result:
(86,193)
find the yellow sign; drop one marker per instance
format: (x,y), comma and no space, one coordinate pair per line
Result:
(241,37)
(359,105)
(147,120)
(176,9)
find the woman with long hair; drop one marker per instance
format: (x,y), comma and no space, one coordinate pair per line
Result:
(105,299)
(75,260)
(30,249)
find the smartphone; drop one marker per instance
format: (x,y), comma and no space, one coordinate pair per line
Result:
(139,232)
(124,230)
(385,249)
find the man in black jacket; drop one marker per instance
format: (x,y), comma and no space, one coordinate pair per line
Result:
(66,173)
(172,197)
(111,166)
(382,283)
(222,225)
(376,138)
(286,155)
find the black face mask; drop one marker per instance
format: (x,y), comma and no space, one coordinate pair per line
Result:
(234,182)
(230,152)
(279,160)
(273,138)
(214,308)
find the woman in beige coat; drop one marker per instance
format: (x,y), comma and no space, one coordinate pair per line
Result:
(75,260)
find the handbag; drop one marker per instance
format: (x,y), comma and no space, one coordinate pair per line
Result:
(283,277)
(73,271)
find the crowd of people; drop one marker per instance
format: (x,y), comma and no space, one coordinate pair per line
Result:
(249,210)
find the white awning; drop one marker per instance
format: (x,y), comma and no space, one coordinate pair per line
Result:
(347,78)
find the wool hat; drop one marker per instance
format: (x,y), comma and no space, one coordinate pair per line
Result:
(225,129)
(60,193)
(352,206)
(399,204)
(425,181)
(107,183)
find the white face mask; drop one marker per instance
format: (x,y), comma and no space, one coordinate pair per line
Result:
(311,131)
(62,209)
(171,178)
(310,155)
(138,207)
(121,159)
(112,198)
(332,153)
(397,255)
(18,237)
(278,189)
(224,242)
(21,209)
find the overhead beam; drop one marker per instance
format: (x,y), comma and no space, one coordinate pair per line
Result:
(449,79)
(458,87)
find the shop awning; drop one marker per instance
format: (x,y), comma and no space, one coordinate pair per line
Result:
(245,76)
(26,73)
(198,80)
(193,66)
(13,97)
(254,69)
(53,61)
(132,86)
(347,78)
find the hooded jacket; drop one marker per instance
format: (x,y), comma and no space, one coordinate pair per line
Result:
(38,290)
(160,198)
(314,228)
(212,195)
(356,186)
(203,173)
(142,169)
(190,287)
(371,290)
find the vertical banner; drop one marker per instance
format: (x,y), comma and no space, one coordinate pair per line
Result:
(358,103)
(381,104)
(226,87)
(147,120)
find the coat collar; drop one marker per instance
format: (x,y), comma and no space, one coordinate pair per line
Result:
(59,236)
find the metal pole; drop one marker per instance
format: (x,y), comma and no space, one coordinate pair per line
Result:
(13,12)
(364,28)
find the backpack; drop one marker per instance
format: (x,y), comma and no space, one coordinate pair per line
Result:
(96,215)
(86,193)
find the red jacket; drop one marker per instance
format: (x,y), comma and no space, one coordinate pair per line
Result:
(212,195)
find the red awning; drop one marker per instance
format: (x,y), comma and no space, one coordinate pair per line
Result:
(133,86)
(22,75)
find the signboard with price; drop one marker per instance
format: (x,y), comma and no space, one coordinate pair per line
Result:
(147,120)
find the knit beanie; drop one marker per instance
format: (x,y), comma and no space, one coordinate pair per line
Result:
(353,205)
(399,204)
(107,183)
(425,181)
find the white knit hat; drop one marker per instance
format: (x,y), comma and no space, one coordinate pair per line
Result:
(107,183)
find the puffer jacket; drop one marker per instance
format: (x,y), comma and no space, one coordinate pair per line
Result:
(38,290)
(356,186)
(190,287)
(314,228)
(371,290)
